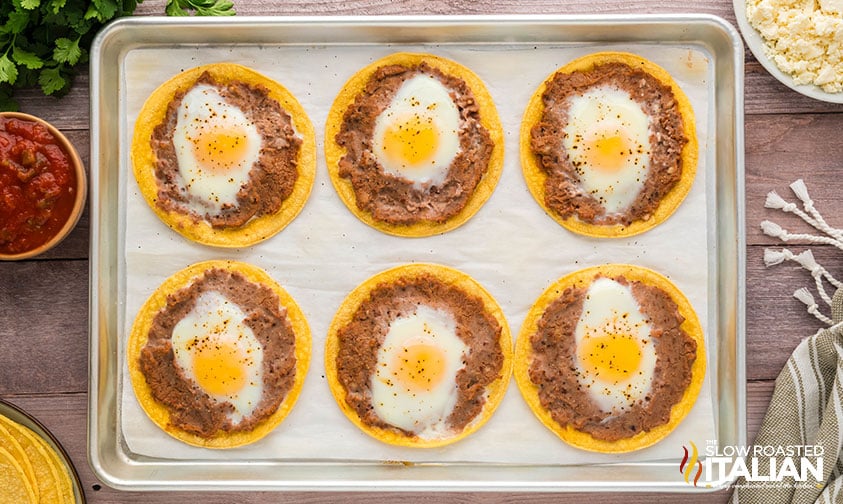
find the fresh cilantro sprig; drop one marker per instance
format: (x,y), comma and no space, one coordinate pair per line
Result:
(202,7)
(43,42)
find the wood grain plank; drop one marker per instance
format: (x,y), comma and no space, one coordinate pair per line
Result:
(43,326)
(783,148)
(71,111)
(765,95)
(758,395)
(777,322)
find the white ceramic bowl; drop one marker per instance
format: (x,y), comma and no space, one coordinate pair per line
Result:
(756,44)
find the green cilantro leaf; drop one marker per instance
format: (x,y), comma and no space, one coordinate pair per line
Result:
(27,77)
(26,58)
(17,22)
(106,8)
(7,103)
(67,51)
(51,80)
(173,9)
(56,5)
(44,42)
(202,7)
(8,70)
(93,13)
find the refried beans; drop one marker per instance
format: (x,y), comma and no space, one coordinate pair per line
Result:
(193,410)
(553,366)
(563,193)
(271,178)
(392,199)
(360,339)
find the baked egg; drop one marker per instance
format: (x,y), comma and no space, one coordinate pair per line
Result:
(414,386)
(408,386)
(607,143)
(589,348)
(214,354)
(616,356)
(216,350)
(416,138)
(608,140)
(216,149)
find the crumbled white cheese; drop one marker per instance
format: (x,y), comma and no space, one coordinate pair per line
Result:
(803,37)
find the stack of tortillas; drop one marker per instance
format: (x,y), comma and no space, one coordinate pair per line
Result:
(30,468)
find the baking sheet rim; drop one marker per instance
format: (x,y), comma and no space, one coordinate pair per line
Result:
(96,385)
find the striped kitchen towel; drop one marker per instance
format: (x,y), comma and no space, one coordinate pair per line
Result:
(807,404)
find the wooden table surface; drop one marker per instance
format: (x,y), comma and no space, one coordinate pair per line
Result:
(44,302)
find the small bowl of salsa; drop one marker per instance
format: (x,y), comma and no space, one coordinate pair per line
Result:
(43,186)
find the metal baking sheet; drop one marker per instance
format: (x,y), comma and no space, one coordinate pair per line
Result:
(119,455)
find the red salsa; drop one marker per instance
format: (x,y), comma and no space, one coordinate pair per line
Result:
(37,185)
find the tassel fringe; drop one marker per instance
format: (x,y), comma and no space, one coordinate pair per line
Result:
(806,259)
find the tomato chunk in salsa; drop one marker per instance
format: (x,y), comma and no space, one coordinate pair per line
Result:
(37,185)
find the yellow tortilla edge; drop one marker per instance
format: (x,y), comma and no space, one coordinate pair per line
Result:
(488,118)
(138,338)
(14,448)
(66,486)
(583,278)
(15,465)
(345,313)
(153,113)
(535,177)
(58,469)
(38,452)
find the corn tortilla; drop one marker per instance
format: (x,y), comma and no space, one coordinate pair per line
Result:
(54,482)
(488,118)
(16,451)
(16,487)
(581,279)
(257,229)
(535,177)
(452,277)
(157,412)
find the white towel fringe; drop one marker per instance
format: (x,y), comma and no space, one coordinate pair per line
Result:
(801,191)
(805,296)
(806,258)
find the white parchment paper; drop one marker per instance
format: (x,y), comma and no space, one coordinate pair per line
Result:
(510,246)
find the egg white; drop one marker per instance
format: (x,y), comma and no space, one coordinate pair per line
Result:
(610,310)
(421,107)
(216,321)
(607,139)
(422,410)
(212,184)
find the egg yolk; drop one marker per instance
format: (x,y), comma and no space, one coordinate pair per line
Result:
(607,152)
(220,149)
(411,141)
(219,369)
(419,367)
(612,358)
